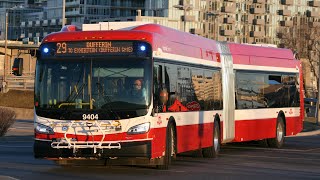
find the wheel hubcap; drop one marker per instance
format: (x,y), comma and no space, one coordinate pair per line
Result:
(216,140)
(279,132)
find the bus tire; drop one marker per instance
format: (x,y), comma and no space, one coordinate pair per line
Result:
(278,141)
(170,148)
(213,151)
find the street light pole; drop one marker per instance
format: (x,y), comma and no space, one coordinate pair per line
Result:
(63,13)
(5,51)
(185,8)
(318,103)
(318,97)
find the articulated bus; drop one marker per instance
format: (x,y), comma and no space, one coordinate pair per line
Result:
(196,95)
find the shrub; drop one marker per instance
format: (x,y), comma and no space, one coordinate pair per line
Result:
(7,118)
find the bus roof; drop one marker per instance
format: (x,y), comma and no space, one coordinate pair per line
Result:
(180,43)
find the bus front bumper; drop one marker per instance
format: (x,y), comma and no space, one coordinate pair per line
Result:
(43,149)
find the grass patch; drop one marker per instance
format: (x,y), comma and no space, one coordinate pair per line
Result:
(17,99)
(7,118)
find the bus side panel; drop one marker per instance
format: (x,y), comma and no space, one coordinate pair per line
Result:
(158,142)
(255,129)
(292,125)
(192,137)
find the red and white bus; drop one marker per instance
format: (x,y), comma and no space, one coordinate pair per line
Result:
(197,94)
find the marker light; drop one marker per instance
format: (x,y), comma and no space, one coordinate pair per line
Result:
(45,50)
(142,48)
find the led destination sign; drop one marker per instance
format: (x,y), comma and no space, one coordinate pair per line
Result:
(94,48)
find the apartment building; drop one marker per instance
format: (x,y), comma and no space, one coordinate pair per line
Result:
(77,12)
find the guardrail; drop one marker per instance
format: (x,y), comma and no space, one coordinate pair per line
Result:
(20,82)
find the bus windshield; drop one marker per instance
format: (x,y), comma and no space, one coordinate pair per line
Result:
(69,88)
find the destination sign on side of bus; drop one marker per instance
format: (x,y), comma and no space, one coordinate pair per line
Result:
(83,48)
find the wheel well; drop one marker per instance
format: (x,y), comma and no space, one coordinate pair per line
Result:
(217,118)
(281,114)
(173,122)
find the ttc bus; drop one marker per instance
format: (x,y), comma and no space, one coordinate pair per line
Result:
(197,94)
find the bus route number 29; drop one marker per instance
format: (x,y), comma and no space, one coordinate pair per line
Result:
(90,116)
(62,48)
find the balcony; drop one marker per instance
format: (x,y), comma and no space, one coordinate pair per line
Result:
(38,23)
(30,23)
(257,33)
(229,20)
(59,21)
(188,18)
(287,2)
(284,12)
(258,22)
(314,3)
(227,32)
(196,31)
(287,23)
(73,13)
(45,23)
(314,24)
(312,13)
(53,22)
(257,10)
(259,1)
(73,3)
(228,9)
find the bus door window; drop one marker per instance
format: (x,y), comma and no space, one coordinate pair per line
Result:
(178,79)
(159,90)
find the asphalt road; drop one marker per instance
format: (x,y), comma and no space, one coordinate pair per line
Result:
(299,159)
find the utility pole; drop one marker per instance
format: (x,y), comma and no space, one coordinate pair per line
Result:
(63,13)
(5,54)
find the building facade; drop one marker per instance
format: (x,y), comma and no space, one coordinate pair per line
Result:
(241,21)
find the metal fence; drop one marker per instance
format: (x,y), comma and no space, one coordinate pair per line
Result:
(18,83)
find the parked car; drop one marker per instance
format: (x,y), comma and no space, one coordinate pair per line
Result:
(310,105)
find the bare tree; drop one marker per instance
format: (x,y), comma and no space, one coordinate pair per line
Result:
(303,38)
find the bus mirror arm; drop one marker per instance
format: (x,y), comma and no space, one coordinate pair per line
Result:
(154,111)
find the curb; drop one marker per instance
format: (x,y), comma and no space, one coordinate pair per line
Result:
(310,133)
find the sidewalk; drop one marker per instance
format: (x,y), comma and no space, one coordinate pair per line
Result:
(310,127)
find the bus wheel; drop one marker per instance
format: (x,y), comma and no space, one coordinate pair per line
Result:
(170,148)
(278,141)
(213,151)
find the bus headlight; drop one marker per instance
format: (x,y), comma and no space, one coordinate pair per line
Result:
(40,128)
(139,129)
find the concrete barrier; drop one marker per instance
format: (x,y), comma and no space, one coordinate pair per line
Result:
(22,113)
